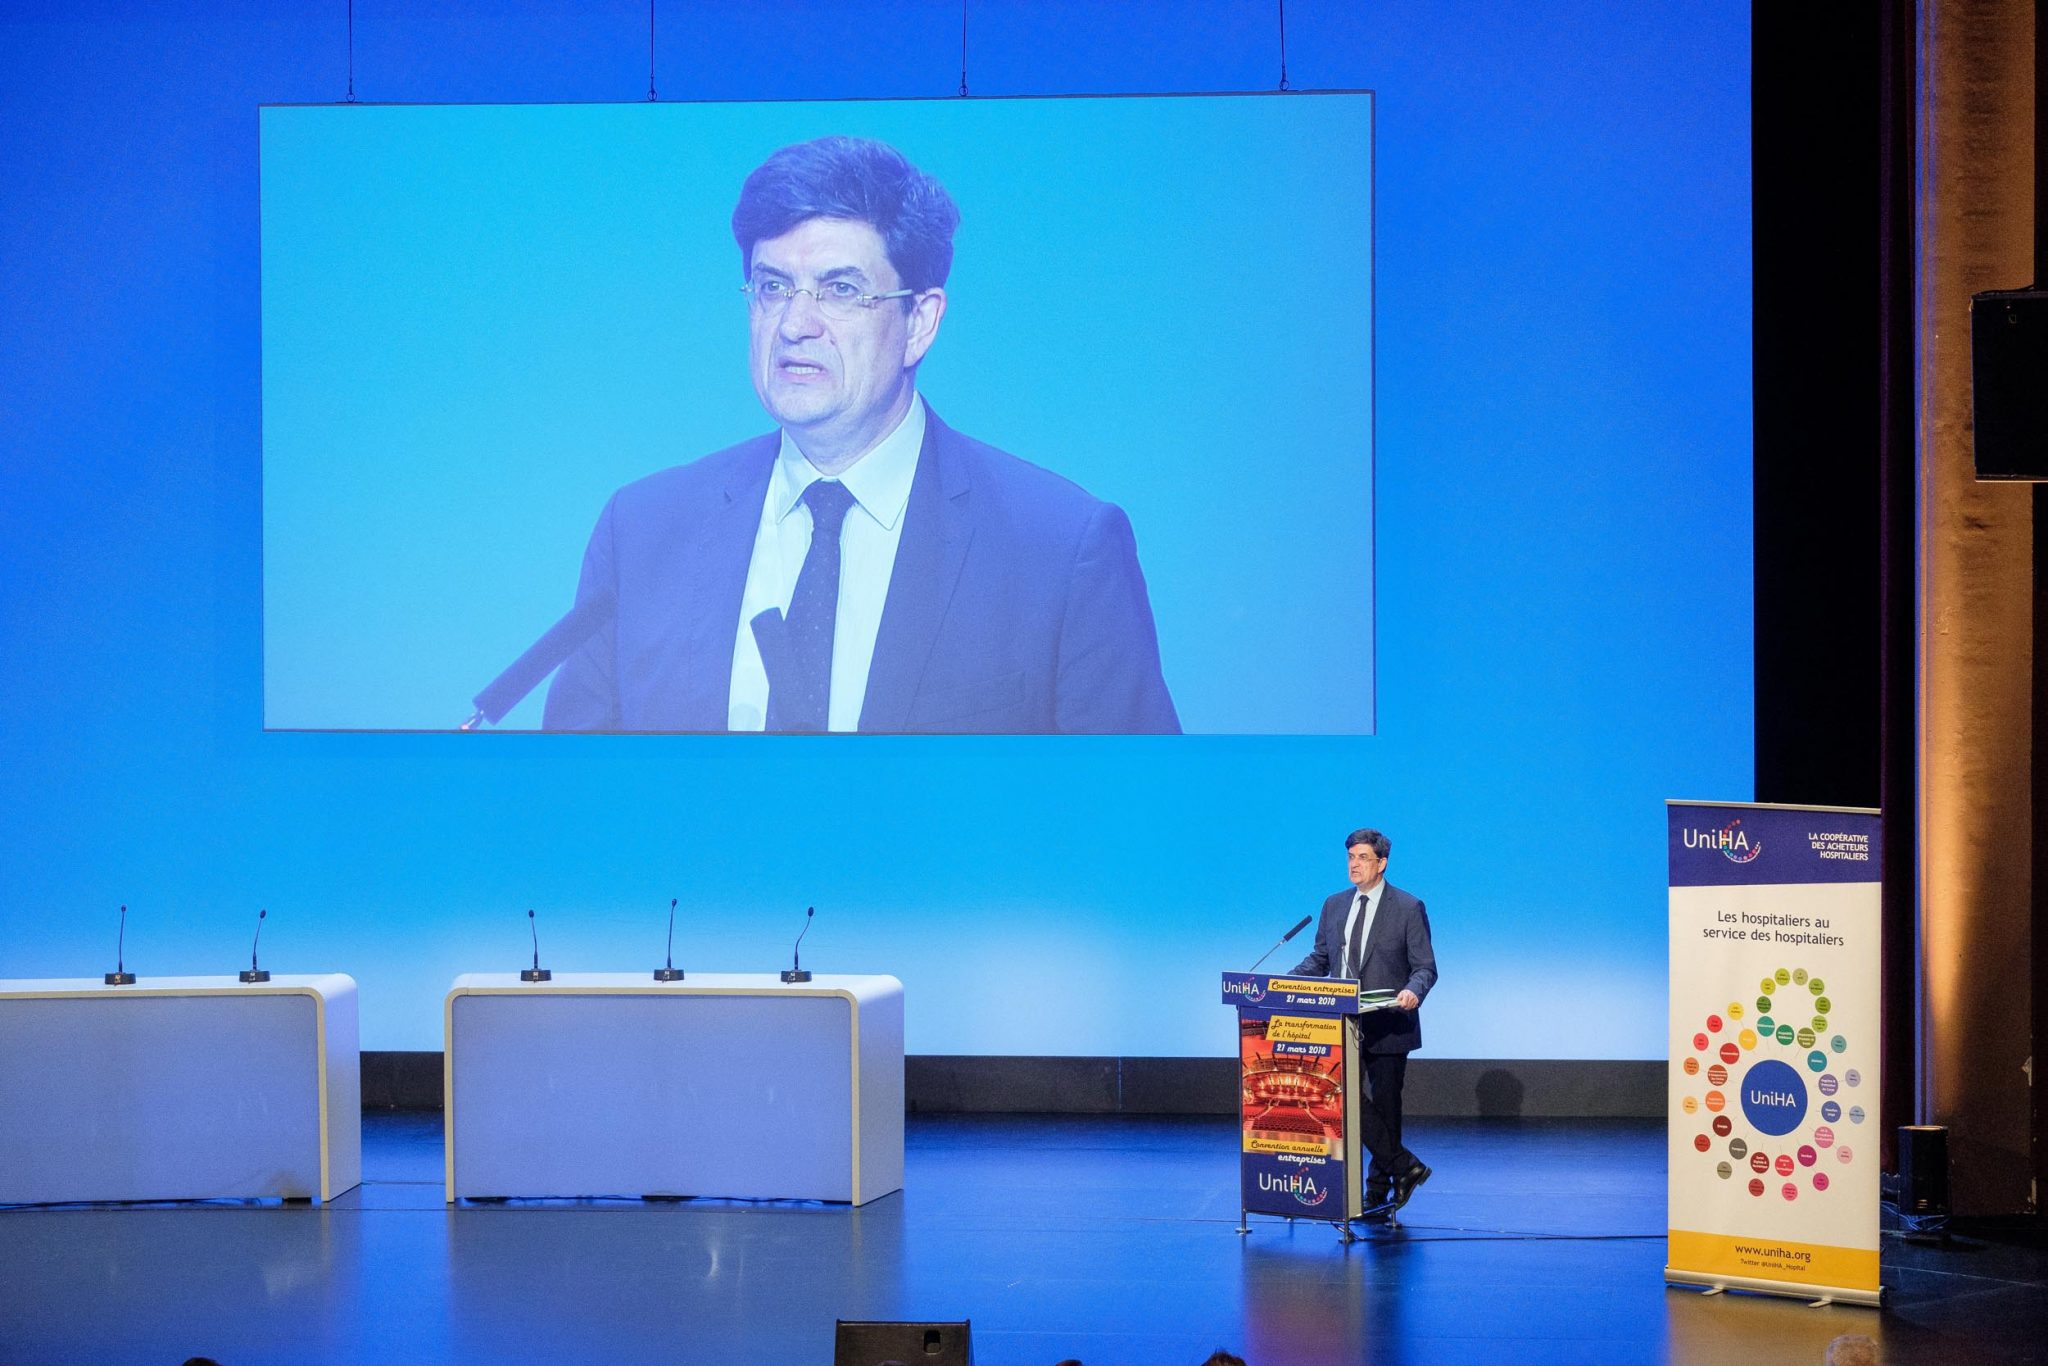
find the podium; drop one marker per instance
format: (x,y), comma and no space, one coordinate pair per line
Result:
(179,1088)
(1298,1069)
(726,1085)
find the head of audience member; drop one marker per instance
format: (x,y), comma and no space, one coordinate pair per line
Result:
(1852,1349)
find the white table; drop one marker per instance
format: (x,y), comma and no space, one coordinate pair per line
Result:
(179,1088)
(727,1085)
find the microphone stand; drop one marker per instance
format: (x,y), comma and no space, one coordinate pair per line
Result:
(669,972)
(252,973)
(120,976)
(536,973)
(795,972)
(1281,940)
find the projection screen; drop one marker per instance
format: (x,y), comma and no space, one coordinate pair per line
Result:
(1110,468)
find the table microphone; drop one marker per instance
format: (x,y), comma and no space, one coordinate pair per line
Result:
(794,972)
(536,973)
(669,972)
(253,973)
(120,976)
(1283,939)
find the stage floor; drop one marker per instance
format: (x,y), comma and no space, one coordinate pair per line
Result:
(1108,1240)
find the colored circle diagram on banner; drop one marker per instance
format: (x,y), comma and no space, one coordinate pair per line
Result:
(1771,1093)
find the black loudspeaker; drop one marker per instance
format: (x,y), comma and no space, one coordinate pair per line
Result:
(1923,1169)
(902,1344)
(2009,383)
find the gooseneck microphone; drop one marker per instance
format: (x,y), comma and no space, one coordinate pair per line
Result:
(252,973)
(668,971)
(796,973)
(1282,940)
(536,973)
(120,976)
(578,626)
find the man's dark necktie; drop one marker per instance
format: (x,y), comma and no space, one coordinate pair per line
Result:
(1355,955)
(803,701)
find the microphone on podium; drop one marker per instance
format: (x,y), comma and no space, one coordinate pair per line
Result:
(794,972)
(536,973)
(252,973)
(578,626)
(669,972)
(120,976)
(1282,940)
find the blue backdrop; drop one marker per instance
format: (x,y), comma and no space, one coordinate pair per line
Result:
(1562,525)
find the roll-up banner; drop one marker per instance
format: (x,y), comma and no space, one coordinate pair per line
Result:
(1773,1137)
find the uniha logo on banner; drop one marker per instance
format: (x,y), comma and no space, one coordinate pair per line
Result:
(1730,841)
(1300,1185)
(1762,1083)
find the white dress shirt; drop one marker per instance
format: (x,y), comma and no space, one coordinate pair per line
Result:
(1366,904)
(880,484)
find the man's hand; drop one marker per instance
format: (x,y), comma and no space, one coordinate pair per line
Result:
(1407,1000)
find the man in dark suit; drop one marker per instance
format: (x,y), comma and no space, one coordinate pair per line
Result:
(1379,935)
(864,567)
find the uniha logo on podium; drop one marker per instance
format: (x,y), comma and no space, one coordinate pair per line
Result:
(1247,988)
(1299,1185)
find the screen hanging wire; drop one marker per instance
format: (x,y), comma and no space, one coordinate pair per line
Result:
(651,96)
(350,97)
(1283,44)
(963,49)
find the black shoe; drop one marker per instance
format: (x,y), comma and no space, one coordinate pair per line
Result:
(1406,1182)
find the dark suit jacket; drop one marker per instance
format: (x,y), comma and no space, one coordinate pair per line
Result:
(1016,603)
(1397,955)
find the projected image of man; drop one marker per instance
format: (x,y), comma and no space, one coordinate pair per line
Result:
(1378,935)
(864,566)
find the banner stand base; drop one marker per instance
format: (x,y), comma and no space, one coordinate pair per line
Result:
(1814,1295)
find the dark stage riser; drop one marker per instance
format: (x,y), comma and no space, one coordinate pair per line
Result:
(941,1083)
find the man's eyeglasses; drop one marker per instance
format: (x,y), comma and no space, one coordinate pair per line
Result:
(839,300)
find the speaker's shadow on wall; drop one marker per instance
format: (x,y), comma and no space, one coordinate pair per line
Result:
(1500,1094)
